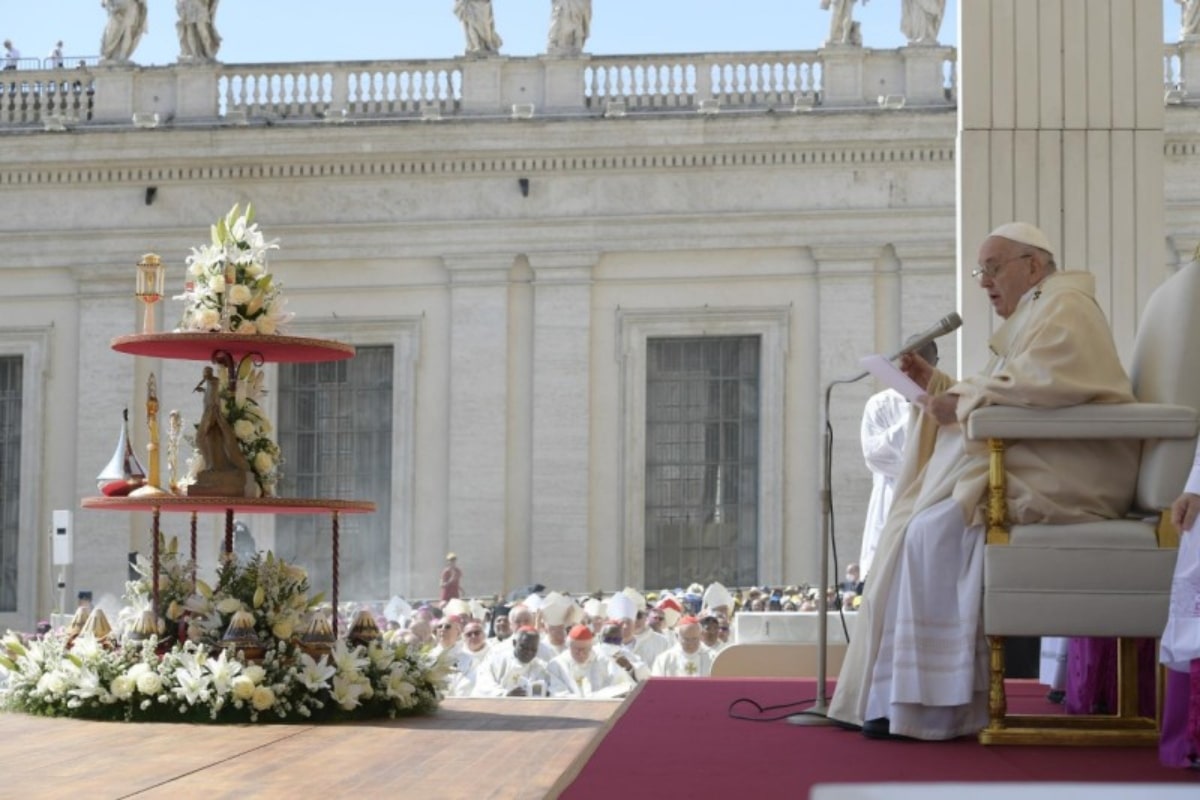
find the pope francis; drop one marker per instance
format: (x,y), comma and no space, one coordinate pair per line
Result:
(918,666)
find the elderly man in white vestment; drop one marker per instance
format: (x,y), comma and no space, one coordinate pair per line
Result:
(918,665)
(687,659)
(583,671)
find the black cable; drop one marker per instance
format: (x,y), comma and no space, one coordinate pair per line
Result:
(764,709)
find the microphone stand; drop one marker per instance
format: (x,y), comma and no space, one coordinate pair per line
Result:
(817,713)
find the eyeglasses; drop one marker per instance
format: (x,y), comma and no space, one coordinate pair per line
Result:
(990,271)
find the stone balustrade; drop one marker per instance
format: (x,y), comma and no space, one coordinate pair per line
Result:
(831,78)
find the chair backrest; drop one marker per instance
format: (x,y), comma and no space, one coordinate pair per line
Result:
(1166,369)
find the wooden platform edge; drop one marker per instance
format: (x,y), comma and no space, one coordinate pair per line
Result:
(576,766)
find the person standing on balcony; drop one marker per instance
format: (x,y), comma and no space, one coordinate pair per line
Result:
(56,55)
(126,25)
(11,55)
(198,37)
(570,24)
(479,25)
(920,20)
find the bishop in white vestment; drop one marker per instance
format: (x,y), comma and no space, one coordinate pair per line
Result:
(918,664)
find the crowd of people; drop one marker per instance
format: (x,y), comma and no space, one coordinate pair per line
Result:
(551,644)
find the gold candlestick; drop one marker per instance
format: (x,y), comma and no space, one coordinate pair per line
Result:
(152,480)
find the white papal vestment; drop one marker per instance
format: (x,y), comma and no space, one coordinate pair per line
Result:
(918,658)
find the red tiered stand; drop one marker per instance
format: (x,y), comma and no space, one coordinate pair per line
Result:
(230,350)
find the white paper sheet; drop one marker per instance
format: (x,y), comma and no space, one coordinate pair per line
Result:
(891,376)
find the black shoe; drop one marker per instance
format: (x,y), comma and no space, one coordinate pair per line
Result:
(846,726)
(881,728)
(1056,696)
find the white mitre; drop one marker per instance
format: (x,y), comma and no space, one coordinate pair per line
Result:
(621,607)
(639,600)
(558,609)
(716,595)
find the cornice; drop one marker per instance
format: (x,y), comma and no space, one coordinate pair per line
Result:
(301,167)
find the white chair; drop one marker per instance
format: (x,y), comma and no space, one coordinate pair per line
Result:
(1106,579)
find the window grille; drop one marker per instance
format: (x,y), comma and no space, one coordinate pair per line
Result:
(335,431)
(10,478)
(702,416)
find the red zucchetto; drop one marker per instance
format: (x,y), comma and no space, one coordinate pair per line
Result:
(581,633)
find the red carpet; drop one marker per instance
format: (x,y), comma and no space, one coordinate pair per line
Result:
(678,739)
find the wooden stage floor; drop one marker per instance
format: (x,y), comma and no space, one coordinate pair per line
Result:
(467,750)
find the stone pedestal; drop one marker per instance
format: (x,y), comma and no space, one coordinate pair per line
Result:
(924,73)
(841,76)
(1189,66)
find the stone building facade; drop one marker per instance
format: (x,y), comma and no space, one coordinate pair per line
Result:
(603,298)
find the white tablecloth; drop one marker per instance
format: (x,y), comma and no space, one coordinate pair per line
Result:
(788,626)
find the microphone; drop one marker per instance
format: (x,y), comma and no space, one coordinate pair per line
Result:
(947,324)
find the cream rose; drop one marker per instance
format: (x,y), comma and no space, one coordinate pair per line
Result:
(242,687)
(244,429)
(208,319)
(263,698)
(255,673)
(263,463)
(240,294)
(282,629)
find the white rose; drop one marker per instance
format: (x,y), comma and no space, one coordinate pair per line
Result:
(263,698)
(216,283)
(255,673)
(244,429)
(266,326)
(242,687)
(149,683)
(123,686)
(246,327)
(263,463)
(239,294)
(254,269)
(282,629)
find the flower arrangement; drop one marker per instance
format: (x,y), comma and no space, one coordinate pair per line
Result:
(229,288)
(242,409)
(200,677)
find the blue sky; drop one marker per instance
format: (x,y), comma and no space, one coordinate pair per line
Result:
(338,30)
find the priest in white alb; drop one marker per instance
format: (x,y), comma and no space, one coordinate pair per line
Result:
(686,659)
(918,664)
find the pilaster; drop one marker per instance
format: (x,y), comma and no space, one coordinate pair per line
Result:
(560,483)
(477,443)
